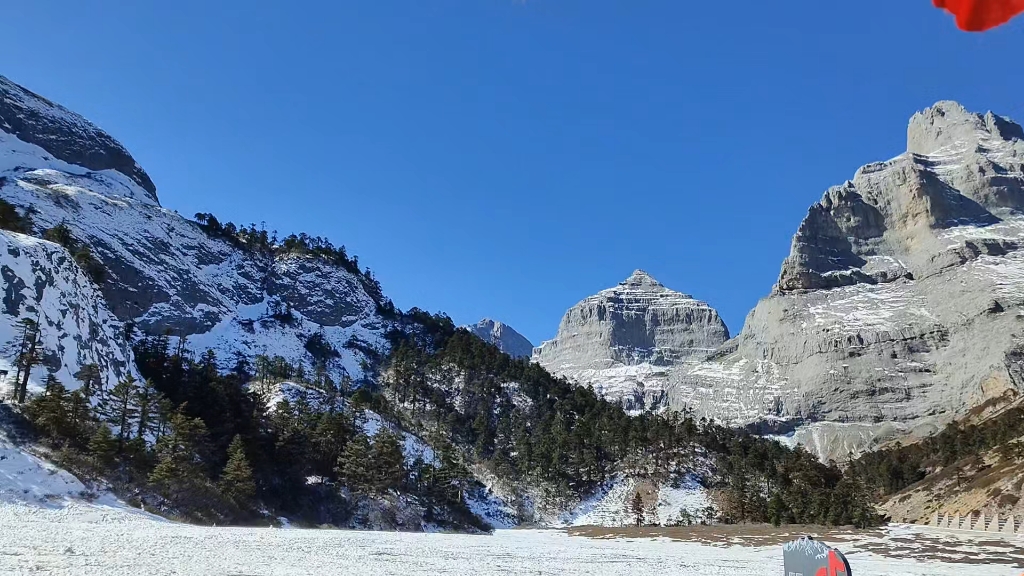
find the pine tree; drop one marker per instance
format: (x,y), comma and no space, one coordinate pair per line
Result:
(636,507)
(179,468)
(79,416)
(92,380)
(236,481)
(61,234)
(29,354)
(354,464)
(387,461)
(103,446)
(49,410)
(120,408)
(776,509)
(149,401)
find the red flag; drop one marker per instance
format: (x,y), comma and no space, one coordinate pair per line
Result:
(981,15)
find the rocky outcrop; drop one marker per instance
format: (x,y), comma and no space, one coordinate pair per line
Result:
(65,135)
(164,274)
(42,282)
(624,340)
(503,336)
(900,302)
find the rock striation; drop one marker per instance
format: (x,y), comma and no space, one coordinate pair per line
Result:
(623,340)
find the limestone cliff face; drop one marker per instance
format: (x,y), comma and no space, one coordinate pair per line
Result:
(900,303)
(624,339)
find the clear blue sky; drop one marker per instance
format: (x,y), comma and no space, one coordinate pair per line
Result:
(505,158)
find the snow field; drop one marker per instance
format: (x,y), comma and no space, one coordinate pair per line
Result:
(33,544)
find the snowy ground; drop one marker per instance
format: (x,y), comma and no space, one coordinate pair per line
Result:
(76,541)
(49,527)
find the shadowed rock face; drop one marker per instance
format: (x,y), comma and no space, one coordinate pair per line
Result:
(900,302)
(503,336)
(65,135)
(622,339)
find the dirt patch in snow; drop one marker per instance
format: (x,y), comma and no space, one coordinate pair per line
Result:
(896,541)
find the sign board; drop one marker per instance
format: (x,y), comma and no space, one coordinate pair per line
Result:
(808,557)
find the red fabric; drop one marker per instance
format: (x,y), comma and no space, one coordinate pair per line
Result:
(981,15)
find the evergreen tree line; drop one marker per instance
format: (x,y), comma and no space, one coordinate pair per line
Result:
(204,440)
(259,241)
(133,437)
(529,426)
(889,470)
(212,450)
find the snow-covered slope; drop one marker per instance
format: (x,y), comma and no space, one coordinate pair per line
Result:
(41,282)
(665,503)
(31,487)
(66,136)
(164,273)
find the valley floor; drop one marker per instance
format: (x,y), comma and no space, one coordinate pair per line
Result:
(83,539)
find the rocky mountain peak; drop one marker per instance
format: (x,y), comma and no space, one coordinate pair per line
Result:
(949,124)
(65,135)
(621,339)
(900,303)
(888,222)
(503,336)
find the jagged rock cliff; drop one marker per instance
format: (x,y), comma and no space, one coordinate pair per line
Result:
(503,336)
(624,340)
(163,272)
(41,282)
(900,303)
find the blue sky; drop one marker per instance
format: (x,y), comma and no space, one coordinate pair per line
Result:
(505,158)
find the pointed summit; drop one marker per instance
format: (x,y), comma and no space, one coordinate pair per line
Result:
(640,282)
(640,278)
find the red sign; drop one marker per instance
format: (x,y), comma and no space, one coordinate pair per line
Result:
(835,566)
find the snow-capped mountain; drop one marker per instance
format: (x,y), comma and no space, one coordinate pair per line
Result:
(624,340)
(164,273)
(899,306)
(503,336)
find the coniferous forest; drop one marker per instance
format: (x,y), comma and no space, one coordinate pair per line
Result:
(205,438)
